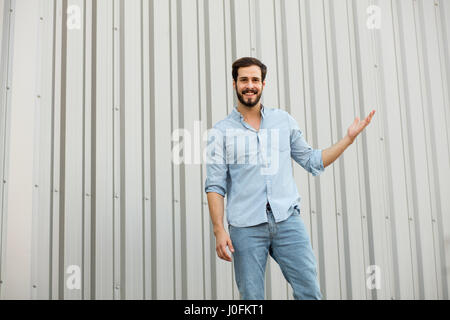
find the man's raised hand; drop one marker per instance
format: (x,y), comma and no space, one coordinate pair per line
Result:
(357,126)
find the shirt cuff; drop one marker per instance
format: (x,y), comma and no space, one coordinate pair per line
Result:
(215,189)
(317,163)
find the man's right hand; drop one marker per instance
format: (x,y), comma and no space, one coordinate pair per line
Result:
(223,241)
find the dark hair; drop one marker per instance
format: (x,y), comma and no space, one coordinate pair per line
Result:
(247,62)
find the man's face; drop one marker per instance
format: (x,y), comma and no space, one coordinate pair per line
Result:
(249,85)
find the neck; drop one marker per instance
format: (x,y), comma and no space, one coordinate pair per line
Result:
(250,112)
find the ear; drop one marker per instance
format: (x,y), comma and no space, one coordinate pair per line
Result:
(234,84)
(264,83)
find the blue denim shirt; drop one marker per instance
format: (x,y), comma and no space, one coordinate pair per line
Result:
(254,167)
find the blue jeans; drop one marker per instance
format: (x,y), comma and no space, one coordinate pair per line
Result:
(288,244)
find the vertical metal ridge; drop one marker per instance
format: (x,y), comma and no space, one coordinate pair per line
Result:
(6,61)
(141,40)
(277,60)
(284,41)
(182,166)
(397,59)
(363,145)
(333,92)
(432,174)
(251,26)
(199,76)
(62,148)
(304,101)
(93,151)
(445,76)
(233,29)
(52,130)
(415,192)
(446,69)
(226,46)
(123,270)
(118,286)
(315,183)
(407,145)
(179,275)
(83,164)
(57,187)
(208,116)
(385,167)
(172,116)
(445,16)
(344,198)
(35,177)
(256,22)
(343,183)
(153,243)
(338,173)
(116,265)
(230,98)
(355,99)
(427,122)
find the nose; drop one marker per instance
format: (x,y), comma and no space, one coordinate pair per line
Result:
(251,85)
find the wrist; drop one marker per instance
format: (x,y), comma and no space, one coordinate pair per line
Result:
(349,140)
(218,229)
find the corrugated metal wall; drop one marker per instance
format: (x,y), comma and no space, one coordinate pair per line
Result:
(91,92)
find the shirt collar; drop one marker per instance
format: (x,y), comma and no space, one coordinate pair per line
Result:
(237,115)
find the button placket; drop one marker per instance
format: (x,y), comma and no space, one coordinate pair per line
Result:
(262,143)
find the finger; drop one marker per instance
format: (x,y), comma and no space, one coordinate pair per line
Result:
(220,253)
(225,253)
(368,118)
(230,245)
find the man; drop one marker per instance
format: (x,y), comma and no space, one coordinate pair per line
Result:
(256,175)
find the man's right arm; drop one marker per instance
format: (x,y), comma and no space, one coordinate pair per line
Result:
(216,210)
(216,189)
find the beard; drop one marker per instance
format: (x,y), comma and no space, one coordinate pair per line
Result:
(248,101)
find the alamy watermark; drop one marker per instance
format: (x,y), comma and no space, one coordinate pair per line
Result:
(73,17)
(73,281)
(374,19)
(374,279)
(228,147)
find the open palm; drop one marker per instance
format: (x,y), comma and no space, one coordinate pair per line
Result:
(357,126)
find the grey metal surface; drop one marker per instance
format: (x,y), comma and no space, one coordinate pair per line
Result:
(93,93)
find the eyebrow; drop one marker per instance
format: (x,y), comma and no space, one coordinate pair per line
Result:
(249,77)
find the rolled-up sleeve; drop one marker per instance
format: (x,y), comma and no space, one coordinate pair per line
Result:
(310,159)
(216,167)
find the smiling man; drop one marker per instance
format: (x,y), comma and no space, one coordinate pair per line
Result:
(249,161)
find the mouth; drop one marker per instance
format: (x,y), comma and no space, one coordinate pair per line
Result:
(250,94)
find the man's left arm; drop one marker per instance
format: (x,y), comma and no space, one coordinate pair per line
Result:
(330,154)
